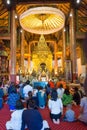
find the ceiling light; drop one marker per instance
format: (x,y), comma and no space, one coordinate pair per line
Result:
(64,29)
(16,16)
(8,2)
(78,1)
(21,30)
(70,14)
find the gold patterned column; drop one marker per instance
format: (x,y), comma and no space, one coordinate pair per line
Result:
(13,47)
(73,44)
(64,50)
(22,52)
(55,58)
(29,59)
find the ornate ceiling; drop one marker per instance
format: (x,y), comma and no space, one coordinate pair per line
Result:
(23,5)
(42,20)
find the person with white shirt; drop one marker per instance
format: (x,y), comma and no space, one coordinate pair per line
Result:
(56,107)
(16,117)
(60,91)
(27,88)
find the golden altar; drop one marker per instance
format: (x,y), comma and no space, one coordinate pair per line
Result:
(42,57)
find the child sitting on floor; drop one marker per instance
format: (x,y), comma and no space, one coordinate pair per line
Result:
(69,114)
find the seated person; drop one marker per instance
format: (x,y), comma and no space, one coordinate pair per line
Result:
(67,97)
(77,96)
(30,96)
(16,117)
(51,83)
(12,98)
(21,86)
(1,95)
(32,118)
(69,114)
(27,87)
(61,81)
(60,91)
(56,107)
(11,87)
(41,95)
(83,110)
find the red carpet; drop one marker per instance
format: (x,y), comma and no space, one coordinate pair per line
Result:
(64,125)
(5,116)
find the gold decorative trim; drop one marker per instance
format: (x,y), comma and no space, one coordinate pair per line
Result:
(42,20)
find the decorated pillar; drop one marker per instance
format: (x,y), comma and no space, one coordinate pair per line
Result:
(73,44)
(64,50)
(22,53)
(29,59)
(55,58)
(3,61)
(13,47)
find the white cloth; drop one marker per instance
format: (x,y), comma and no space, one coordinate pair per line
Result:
(45,125)
(60,92)
(16,120)
(55,106)
(26,89)
(5,89)
(35,91)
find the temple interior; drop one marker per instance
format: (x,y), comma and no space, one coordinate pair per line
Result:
(43,39)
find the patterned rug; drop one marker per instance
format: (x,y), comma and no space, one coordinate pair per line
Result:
(63,125)
(5,116)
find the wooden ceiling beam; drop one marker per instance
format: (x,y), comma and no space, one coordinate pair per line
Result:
(80,35)
(3,37)
(41,1)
